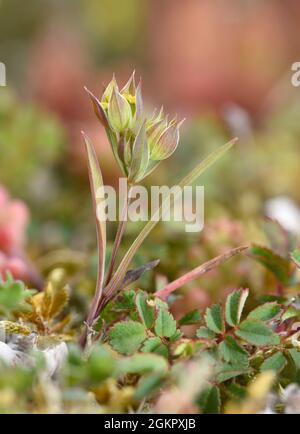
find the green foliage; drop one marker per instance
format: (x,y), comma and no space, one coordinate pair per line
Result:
(213,319)
(192,317)
(275,363)
(165,324)
(127,336)
(257,333)
(146,312)
(13,296)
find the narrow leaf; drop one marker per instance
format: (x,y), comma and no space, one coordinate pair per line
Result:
(188,180)
(257,333)
(279,266)
(265,312)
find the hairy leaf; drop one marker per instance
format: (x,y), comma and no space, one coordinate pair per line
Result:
(165,324)
(145,311)
(234,306)
(214,319)
(257,333)
(279,266)
(265,312)
(126,337)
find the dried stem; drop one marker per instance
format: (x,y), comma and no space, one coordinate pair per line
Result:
(197,272)
(118,238)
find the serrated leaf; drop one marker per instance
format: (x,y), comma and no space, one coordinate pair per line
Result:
(226,371)
(126,337)
(154,345)
(274,363)
(213,318)
(279,266)
(165,324)
(210,401)
(192,317)
(234,306)
(145,311)
(257,333)
(142,364)
(265,312)
(205,333)
(233,353)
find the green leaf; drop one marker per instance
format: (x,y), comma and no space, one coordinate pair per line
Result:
(257,333)
(148,384)
(97,191)
(165,324)
(275,263)
(133,275)
(295,356)
(125,301)
(210,401)
(274,363)
(226,371)
(213,318)
(142,364)
(140,156)
(146,312)
(234,306)
(205,333)
(233,353)
(154,345)
(265,312)
(187,180)
(296,257)
(13,295)
(192,317)
(127,336)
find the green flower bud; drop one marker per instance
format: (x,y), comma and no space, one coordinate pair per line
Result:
(119,112)
(167,142)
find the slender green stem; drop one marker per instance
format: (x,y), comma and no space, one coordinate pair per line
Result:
(118,238)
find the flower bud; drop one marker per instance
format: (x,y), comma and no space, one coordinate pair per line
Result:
(167,142)
(119,112)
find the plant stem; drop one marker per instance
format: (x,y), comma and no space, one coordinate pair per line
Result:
(118,238)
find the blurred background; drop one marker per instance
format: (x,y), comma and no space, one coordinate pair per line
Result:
(223,64)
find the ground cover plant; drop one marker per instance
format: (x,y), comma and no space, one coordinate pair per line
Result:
(122,348)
